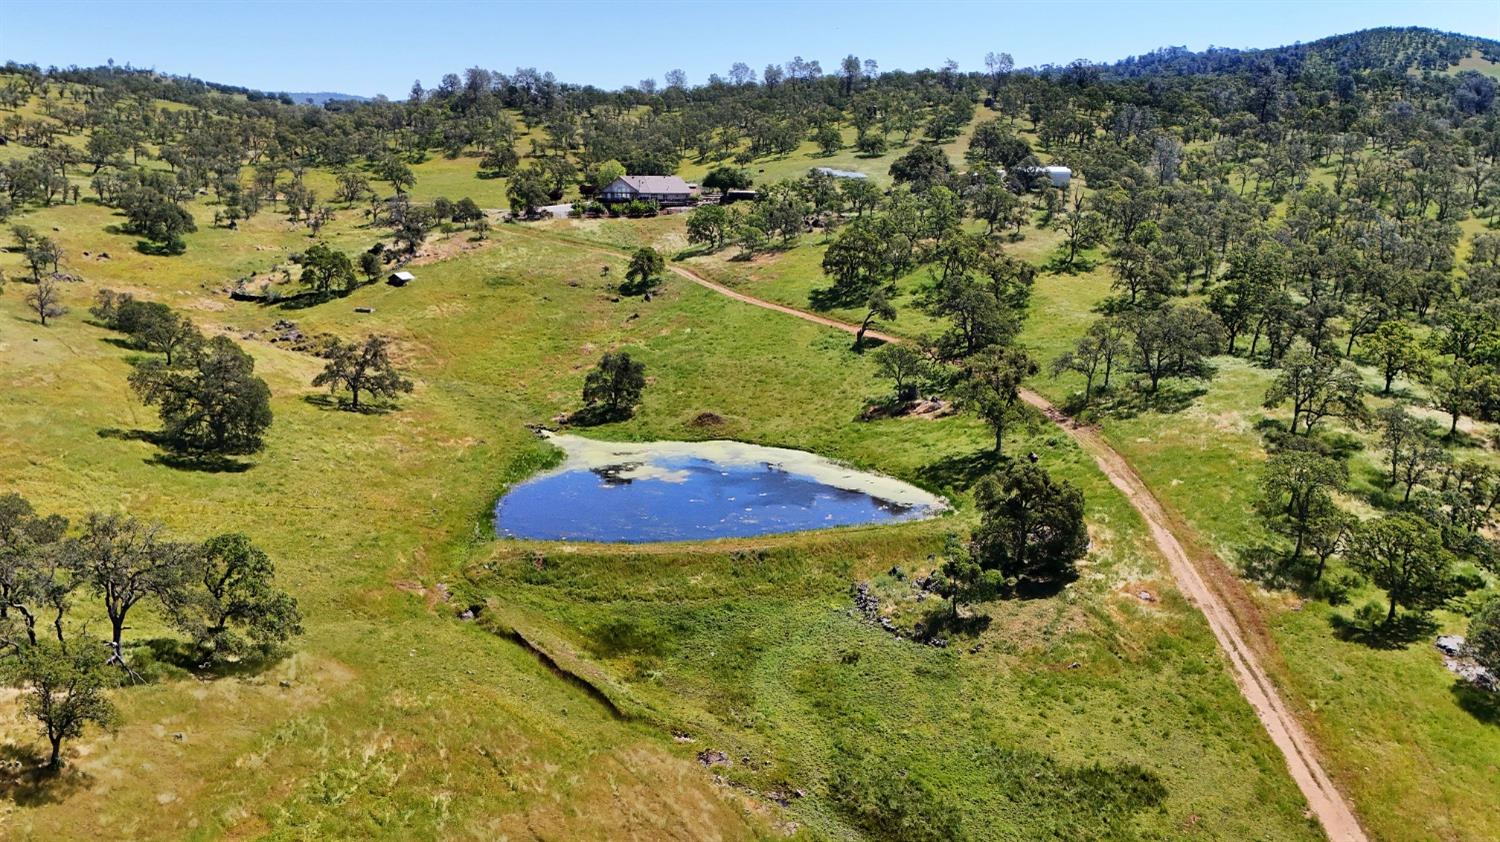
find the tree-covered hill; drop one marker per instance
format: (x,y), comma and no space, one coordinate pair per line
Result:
(1392,50)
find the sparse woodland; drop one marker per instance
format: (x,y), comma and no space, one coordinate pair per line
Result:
(1272,283)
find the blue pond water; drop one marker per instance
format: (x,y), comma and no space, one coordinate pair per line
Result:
(639,495)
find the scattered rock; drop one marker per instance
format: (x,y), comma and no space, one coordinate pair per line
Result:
(1450,644)
(1472,672)
(283,331)
(1457,661)
(865,602)
(284,684)
(1146,596)
(714,757)
(1075,665)
(681,737)
(471,612)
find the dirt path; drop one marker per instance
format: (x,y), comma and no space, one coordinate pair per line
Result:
(1324,799)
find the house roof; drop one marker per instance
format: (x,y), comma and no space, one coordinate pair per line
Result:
(656,183)
(403,276)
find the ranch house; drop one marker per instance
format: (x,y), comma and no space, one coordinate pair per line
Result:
(665,190)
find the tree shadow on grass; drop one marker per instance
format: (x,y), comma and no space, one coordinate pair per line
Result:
(332,403)
(211,463)
(593,416)
(1269,567)
(1462,439)
(158,249)
(26,781)
(207,463)
(1399,633)
(303,300)
(1168,399)
(943,622)
(128,435)
(181,655)
(117,341)
(1058,266)
(960,470)
(1043,588)
(1483,705)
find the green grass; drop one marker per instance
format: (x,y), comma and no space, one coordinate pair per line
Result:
(1393,723)
(398,721)
(807,155)
(1398,734)
(395,721)
(1477,63)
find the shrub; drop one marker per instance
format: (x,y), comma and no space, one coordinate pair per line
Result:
(1484,635)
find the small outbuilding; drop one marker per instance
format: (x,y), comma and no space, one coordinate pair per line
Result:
(400,279)
(732,196)
(1060,176)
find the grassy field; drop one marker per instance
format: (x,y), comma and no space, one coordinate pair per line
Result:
(394,720)
(797,163)
(1372,709)
(1478,64)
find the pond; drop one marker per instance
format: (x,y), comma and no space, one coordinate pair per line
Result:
(637,492)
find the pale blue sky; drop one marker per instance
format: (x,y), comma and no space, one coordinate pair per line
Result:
(380,47)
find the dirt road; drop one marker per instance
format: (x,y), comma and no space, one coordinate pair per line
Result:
(1324,799)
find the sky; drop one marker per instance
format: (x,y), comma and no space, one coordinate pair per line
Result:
(369,48)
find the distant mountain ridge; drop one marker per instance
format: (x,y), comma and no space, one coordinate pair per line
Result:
(321,97)
(1393,49)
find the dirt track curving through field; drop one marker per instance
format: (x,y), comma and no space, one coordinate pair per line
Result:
(1216,594)
(1324,799)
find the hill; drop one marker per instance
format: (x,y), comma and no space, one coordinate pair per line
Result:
(1390,49)
(1267,300)
(321,97)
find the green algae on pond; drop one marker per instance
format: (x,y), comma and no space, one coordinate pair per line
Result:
(639,492)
